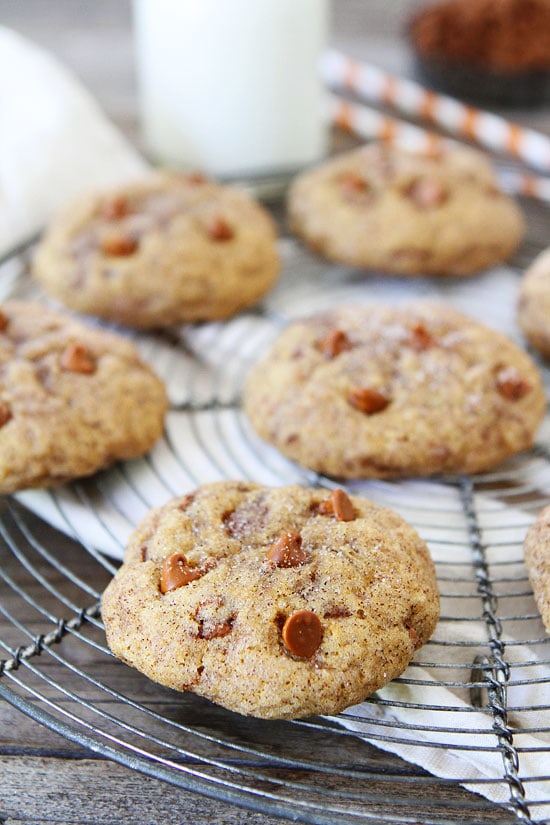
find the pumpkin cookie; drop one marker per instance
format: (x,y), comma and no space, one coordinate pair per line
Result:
(73,399)
(380,207)
(534,303)
(276,603)
(537,560)
(371,391)
(169,249)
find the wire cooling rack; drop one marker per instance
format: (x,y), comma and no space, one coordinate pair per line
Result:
(476,694)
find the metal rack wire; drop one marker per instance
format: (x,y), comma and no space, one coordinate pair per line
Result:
(468,693)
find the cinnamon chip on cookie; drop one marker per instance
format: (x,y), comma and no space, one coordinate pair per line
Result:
(293,613)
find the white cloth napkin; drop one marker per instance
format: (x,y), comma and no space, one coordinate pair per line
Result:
(55,142)
(418,734)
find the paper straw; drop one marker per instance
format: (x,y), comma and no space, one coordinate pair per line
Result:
(371,124)
(466,122)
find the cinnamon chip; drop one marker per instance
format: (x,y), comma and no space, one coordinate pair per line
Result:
(186,501)
(420,339)
(5,413)
(302,633)
(427,193)
(175,572)
(3,321)
(338,504)
(118,244)
(353,185)
(287,550)
(76,357)
(511,385)
(215,631)
(219,229)
(335,342)
(196,178)
(115,208)
(414,637)
(368,400)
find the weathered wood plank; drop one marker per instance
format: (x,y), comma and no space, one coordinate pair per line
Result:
(91,792)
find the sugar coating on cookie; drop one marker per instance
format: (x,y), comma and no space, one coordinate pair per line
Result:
(381,207)
(536,549)
(73,399)
(372,391)
(534,303)
(273,602)
(169,249)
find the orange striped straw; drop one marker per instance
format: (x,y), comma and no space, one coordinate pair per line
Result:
(465,122)
(370,124)
(373,125)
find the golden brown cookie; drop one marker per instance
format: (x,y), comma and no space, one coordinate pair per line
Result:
(537,560)
(372,391)
(169,249)
(273,602)
(534,303)
(73,399)
(380,207)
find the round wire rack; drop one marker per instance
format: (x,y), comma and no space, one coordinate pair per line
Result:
(462,736)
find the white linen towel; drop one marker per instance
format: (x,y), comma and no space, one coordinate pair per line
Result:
(55,142)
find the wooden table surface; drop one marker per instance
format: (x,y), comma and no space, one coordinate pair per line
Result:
(44,777)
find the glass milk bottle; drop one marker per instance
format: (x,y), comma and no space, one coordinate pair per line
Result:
(231,87)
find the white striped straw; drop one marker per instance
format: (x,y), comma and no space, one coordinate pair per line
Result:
(371,124)
(483,128)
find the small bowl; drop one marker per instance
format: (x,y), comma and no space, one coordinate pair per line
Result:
(481,86)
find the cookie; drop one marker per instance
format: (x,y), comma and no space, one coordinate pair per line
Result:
(273,602)
(380,207)
(536,548)
(169,249)
(383,392)
(73,399)
(534,303)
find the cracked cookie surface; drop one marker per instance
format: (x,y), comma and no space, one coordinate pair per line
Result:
(73,398)
(273,602)
(380,207)
(172,248)
(415,390)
